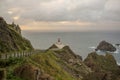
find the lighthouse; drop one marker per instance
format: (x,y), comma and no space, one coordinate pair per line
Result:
(59,44)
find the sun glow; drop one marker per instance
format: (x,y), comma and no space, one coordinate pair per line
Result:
(10,12)
(16,17)
(56,26)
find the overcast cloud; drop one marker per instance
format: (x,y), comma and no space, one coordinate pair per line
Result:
(35,11)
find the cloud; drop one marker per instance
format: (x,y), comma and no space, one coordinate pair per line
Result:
(63,10)
(112,11)
(92,11)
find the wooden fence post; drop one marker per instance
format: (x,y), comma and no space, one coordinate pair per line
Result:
(2,74)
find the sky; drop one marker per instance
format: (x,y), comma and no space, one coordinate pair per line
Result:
(62,15)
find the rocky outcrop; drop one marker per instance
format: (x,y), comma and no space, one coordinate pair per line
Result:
(15,27)
(11,39)
(73,63)
(29,72)
(117,44)
(53,47)
(103,67)
(105,46)
(64,64)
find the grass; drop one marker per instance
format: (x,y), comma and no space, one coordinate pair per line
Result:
(49,63)
(9,65)
(12,41)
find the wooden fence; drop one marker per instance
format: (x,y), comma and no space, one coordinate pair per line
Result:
(19,54)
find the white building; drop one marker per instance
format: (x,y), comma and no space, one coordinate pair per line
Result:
(57,45)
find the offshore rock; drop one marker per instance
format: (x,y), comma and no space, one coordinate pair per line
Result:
(105,46)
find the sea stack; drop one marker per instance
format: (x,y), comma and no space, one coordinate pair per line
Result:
(105,46)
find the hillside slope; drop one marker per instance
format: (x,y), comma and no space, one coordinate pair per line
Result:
(60,64)
(11,38)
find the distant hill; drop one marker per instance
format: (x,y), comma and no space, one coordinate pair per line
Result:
(11,39)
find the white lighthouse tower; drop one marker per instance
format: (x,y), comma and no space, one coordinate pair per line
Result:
(59,44)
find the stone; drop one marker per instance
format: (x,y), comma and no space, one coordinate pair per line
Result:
(105,46)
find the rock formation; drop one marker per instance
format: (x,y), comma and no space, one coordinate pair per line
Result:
(11,38)
(30,72)
(105,46)
(103,67)
(72,63)
(61,64)
(15,27)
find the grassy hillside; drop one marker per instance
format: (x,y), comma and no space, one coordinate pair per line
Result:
(51,65)
(46,62)
(62,65)
(10,38)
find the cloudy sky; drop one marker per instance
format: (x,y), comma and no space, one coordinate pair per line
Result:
(62,15)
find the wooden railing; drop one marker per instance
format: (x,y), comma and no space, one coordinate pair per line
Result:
(19,54)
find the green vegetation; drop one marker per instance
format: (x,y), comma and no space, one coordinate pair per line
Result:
(11,61)
(9,66)
(104,67)
(49,63)
(46,62)
(11,39)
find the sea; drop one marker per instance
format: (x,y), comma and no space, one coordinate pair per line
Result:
(82,43)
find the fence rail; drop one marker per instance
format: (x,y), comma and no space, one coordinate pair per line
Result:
(19,54)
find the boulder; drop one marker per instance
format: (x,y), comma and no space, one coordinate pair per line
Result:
(117,44)
(105,46)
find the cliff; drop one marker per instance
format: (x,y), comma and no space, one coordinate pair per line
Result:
(103,67)
(63,64)
(60,64)
(11,39)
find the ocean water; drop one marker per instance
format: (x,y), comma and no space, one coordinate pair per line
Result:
(81,43)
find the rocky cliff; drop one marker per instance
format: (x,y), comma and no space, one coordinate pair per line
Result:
(11,38)
(63,64)
(103,67)
(60,64)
